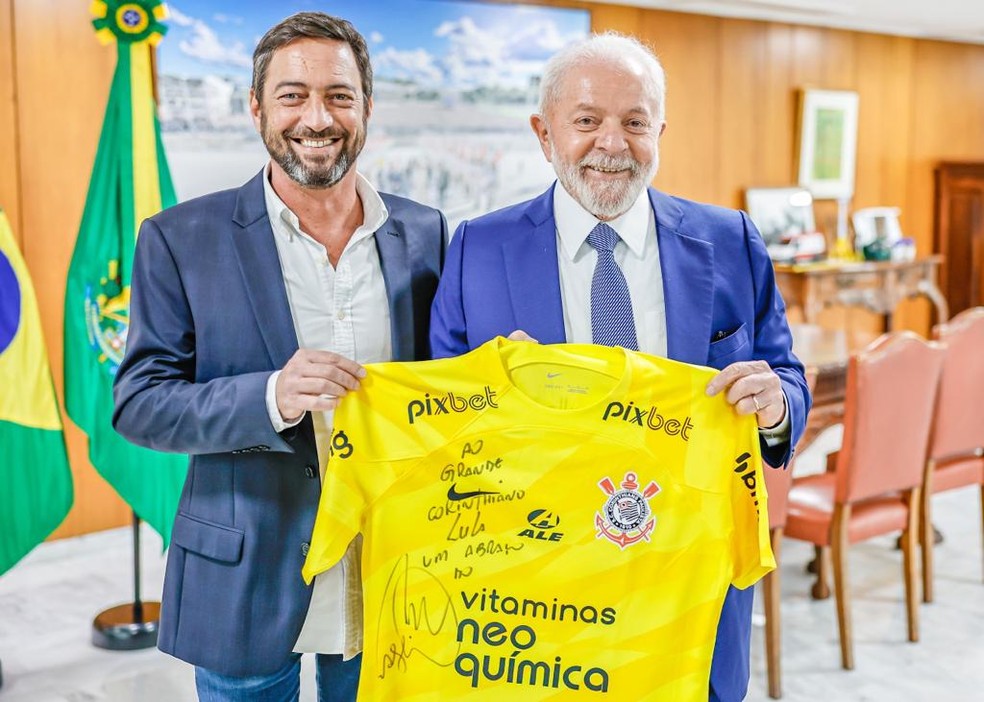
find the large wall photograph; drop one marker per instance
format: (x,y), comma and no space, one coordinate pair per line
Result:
(455,84)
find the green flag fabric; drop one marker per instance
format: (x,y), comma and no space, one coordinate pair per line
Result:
(130,181)
(35,482)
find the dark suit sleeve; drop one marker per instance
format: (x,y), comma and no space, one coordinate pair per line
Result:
(448,328)
(773,343)
(158,403)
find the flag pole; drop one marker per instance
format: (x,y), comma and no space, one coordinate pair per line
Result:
(133,625)
(130,182)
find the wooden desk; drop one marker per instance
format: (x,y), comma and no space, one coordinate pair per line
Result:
(826,351)
(878,286)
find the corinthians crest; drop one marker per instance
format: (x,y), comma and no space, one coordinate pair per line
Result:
(626,518)
(107,318)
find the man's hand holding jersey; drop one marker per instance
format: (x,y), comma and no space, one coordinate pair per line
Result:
(313,381)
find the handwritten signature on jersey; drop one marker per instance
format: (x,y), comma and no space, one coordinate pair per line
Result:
(418,625)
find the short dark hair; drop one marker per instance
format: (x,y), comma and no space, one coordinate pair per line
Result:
(313,25)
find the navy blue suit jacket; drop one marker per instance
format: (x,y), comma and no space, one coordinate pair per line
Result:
(501,275)
(209,323)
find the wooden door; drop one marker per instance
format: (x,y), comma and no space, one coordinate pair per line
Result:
(959,233)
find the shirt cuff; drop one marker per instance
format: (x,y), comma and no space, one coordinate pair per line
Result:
(278,422)
(779,433)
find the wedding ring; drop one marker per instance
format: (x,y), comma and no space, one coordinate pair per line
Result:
(756,403)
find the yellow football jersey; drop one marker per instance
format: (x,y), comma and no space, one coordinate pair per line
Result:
(542,523)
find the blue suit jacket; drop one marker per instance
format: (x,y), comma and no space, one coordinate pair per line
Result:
(209,322)
(502,275)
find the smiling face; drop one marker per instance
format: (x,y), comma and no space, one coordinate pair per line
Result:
(601,133)
(313,114)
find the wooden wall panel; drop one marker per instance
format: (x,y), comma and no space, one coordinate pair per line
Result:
(742,62)
(690,151)
(9,177)
(60,111)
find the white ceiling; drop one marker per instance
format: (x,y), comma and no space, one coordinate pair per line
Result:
(951,20)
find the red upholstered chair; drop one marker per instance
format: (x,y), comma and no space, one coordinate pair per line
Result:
(777,483)
(877,475)
(956,449)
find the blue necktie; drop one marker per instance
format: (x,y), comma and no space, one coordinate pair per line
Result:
(611,305)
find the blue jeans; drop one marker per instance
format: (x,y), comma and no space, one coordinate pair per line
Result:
(337,681)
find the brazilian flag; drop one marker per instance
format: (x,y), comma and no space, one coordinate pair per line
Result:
(130,181)
(35,482)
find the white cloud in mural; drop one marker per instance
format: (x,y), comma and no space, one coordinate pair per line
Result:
(417,65)
(205,44)
(375,37)
(178,17)
(227,19)
(488,56)
(537,41)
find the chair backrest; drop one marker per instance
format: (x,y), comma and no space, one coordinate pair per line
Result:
(958,427)
(888,410)
(779,480)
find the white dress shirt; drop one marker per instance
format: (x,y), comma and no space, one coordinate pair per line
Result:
(637,254)
(342,309)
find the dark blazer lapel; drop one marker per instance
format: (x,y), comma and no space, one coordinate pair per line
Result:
(533,277)
(262,275)
(391,243)
(687,264)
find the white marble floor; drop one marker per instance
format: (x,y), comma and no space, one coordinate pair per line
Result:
(47,603)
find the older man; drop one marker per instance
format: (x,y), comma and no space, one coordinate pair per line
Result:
(601,258)
(252,311)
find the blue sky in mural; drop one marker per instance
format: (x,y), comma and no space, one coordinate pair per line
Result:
(430,42)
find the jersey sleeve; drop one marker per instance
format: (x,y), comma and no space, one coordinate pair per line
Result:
(339,518)
(752,549)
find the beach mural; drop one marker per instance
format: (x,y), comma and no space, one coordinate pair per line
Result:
(455,84)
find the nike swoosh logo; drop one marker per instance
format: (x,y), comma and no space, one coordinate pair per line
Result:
(454,495)
(552,375)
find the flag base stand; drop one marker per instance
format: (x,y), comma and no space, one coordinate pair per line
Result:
(127,627)
(130,626)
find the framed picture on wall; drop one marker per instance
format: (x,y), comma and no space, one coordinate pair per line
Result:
(828,143)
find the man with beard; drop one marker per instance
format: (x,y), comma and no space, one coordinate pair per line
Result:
(600,258)
(251,312)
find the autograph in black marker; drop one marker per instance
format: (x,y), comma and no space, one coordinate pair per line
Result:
(422,624)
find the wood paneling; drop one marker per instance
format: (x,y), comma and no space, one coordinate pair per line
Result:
(63,75)
(9,179)
(731,110)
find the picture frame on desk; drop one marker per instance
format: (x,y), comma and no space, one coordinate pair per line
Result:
(784,218)
(828,138)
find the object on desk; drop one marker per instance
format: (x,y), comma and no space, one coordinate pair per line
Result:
(784,218)
(876,230)
(904,249)
(828,142)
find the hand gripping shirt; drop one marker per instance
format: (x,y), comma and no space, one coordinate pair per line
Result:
(542,523)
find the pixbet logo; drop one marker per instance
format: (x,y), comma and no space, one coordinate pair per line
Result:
(650,418)
(446,404)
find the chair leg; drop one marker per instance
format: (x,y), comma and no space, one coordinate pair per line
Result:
(909,564)
(927,541)
(821,590)
(842,595)
(982,521)
(770,593)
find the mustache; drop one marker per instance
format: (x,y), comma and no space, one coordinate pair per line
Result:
(330,133)
(609,162)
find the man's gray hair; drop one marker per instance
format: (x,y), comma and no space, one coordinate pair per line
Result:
(611,47)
